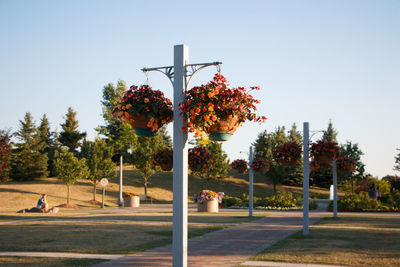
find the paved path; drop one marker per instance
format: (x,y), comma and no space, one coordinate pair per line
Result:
(228,247)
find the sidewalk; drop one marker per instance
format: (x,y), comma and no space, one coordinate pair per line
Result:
(228,247)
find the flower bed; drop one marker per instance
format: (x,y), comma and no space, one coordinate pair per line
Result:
(208,105)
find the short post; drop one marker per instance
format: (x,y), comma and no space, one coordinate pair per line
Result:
(306,176)
(120,199)
(334,172)
(251,178)
(102,202)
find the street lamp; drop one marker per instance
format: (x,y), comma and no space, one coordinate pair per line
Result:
(120,198)
(180,76)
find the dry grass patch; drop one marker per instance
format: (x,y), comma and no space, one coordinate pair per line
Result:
(341,246)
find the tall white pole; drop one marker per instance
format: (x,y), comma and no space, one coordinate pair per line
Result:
(306,176)
(334,172)
(120,199)
(251,178)
(180,158)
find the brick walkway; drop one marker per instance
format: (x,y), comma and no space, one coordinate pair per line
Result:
(228,247)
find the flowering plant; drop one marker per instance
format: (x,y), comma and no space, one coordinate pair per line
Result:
(260,164)
(287,154)
(205,195)
(324,149)
(207,104)
(239,165)
(163,158)
(200,159)
(345,164)
(130,194)
(144,100)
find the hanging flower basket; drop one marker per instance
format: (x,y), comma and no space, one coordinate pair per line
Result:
(217,110)
(288,154)
(200,159)
(239,165)
(324,152)
(163,158)
(260,165)
(345,165)
(223,129)
(147,110)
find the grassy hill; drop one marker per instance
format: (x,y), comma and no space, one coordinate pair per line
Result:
(19,195)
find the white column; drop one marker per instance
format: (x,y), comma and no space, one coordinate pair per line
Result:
(306,177)
(180,174)
(120,199)
(334,173)
(251,178)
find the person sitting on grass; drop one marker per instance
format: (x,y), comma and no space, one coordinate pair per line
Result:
(42,204)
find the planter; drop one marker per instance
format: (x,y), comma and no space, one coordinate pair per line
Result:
(208,206)
(139,123)
(133,201)
(224,128)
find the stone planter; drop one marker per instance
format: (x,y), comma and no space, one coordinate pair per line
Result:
(208,206)
(132,201)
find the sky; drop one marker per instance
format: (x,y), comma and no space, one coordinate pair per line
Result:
(315,61)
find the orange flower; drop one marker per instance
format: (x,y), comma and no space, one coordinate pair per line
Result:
(214,118)
(146,100)
(204,109)
(149,124)
(197,110)
(210,94)
(207,117)
(128,106)
(210,108)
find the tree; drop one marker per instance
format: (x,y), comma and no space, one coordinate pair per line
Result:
(397,162)
(220,163)
(142,154)
(70,135)
(50,142)
(294,135)
(69,169)
(353,151)
(330,134)
(5,153)
(28,160)
(98,158)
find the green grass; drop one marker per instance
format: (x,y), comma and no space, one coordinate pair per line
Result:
(341,246)
(46,262)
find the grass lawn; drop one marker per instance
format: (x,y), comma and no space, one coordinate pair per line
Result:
(21,195)
(46,262)
(356,247)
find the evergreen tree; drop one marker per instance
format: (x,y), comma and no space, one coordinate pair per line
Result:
(330,134)
(98,158)
(48,138)
(70,135)
(220,160)
(69,169)
(261,145)
(353,151)
(142,154)
(28,160)
(120,134)
(5,153)
(397,162)
(294,135)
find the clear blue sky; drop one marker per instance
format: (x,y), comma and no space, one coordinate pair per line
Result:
(314,60)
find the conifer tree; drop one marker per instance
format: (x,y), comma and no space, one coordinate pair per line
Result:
(50,141)
(397,162)
(5,153)
(28,160)
(294,135)
(70,135)
(330,134)
(98,159)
